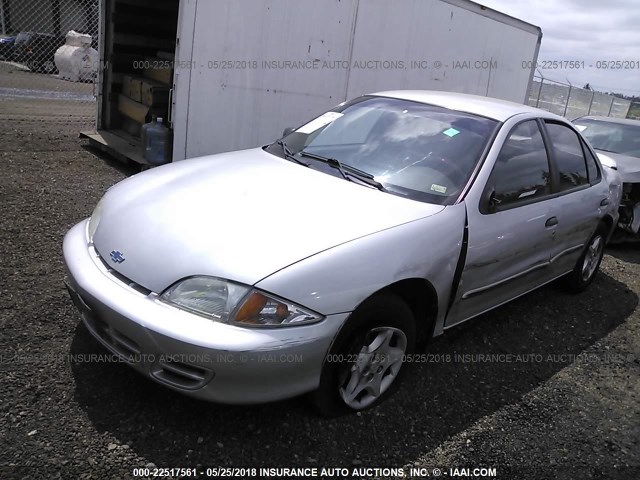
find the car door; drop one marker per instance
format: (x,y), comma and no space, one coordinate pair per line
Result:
(510,232)
(581,195)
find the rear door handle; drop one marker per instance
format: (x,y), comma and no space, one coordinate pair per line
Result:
(551,222)
(604,202)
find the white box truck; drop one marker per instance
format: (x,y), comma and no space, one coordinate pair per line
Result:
(233,74)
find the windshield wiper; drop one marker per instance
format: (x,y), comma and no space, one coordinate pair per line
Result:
(289,154)
(604,150)
(347,171)
(329,161)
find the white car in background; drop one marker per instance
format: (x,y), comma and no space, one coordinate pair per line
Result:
(617,142)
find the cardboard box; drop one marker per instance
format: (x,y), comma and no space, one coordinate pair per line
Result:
(154,93)
(137,111)
(132,87)
(159,70)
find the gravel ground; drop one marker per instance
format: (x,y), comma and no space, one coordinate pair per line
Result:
(567,407)
(26,96)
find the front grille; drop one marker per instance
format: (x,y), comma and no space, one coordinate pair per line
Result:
(130,283)
(119,342)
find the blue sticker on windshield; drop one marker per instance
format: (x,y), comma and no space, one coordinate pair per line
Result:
(451,132)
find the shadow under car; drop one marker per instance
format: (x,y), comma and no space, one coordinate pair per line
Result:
(467,373)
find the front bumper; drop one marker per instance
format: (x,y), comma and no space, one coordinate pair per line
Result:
(199,357)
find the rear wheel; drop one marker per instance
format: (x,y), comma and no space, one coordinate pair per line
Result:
(587,266)
(365,363)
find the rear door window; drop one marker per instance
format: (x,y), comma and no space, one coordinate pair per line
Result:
(592,165)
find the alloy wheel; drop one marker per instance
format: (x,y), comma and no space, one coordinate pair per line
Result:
(592,257)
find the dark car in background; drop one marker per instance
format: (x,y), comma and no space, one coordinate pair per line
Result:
(618,140)
(37,50)
(6,45)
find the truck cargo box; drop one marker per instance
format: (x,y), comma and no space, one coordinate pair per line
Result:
(236,74)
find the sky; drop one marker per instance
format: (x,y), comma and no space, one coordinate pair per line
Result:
(586,30)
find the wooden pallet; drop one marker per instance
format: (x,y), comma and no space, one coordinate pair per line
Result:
(118,144)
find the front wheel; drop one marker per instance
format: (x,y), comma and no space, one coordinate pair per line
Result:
(47,66)
(587,265)
(365,363)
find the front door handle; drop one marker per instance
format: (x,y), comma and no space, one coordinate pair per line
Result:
(604,202)
(551,222)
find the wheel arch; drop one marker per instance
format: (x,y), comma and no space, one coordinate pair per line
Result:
(422,298)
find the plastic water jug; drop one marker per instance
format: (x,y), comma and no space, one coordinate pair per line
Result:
(156,141)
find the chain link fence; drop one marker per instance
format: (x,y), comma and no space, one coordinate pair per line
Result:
(34,86)
(38,84)
(573,102)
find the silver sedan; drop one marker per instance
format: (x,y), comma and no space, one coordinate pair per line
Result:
(318,263)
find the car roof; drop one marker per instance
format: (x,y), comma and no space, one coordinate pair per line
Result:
(489,107)
(621,121)
(40,34)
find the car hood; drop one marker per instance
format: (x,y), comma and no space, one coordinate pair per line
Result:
(241,216)
(628,167)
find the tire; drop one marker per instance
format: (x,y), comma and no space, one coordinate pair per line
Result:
(49,67)
(588,264)
(34,65)
(46,67)
(364,365)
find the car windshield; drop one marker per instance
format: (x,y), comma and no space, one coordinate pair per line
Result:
(420,151)
(611,136)
(23,37)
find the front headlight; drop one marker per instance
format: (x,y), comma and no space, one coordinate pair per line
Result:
(94,221)
(229,302)
(261,309)
(208,296)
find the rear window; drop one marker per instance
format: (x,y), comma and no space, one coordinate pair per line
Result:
(23,37)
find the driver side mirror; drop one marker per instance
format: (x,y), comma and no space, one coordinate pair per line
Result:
(287,131)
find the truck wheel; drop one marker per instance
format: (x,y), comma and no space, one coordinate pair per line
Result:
(587,266)
(364,364)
